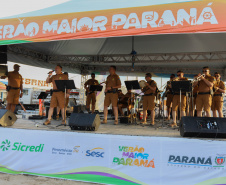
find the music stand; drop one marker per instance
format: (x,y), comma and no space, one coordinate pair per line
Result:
(185,86)
(179,86)
(63,85)
(93,88)
(133,85)
(42,96)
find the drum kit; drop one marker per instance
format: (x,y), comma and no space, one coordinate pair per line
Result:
(138,102)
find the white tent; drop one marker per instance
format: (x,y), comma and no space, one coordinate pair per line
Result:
(84,36)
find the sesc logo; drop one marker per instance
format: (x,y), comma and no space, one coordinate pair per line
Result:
(5,145)
(95,152)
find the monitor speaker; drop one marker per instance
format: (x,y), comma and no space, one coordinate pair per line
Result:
(82,121)
(7,118)
(3,54)
(203,127)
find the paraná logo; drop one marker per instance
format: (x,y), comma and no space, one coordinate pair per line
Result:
(219,160)
(5,145)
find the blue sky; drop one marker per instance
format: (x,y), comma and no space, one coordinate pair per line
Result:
(68,6)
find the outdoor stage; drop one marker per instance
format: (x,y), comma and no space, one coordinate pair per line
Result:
(115,154)
(109,128)
(161,128)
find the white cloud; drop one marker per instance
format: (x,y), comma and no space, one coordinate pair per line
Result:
(15,7)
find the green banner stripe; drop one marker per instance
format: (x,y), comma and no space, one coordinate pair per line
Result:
(78,177)
(8,42)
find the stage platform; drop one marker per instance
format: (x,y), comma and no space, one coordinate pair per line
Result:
(109,128)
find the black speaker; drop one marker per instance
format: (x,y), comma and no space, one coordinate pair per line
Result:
(203,127)
(3,54)
(3,48)
(7,118)
(81,121)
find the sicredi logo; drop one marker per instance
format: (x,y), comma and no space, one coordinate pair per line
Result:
(95,152)
(17,146)
(5,145)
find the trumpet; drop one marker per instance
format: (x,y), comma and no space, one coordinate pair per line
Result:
(199,77)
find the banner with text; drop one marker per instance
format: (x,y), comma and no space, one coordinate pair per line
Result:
(166,17)
(112,159)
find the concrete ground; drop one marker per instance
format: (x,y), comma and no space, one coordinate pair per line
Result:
(8,179)
(109,128)
(161,128)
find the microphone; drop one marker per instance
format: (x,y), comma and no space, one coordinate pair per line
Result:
(51,71)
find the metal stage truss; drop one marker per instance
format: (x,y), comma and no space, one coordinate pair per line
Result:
(156,63)
(122,58)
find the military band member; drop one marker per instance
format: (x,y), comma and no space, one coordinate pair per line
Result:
(112,84)
(120,94)
(58,96)
(169,96)
(176,100)
(149,98)
(125,102)
(15,88)
(91,95)
(204,97)
(219,90)
(194,96)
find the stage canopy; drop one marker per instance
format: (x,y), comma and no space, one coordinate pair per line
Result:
(87,35)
